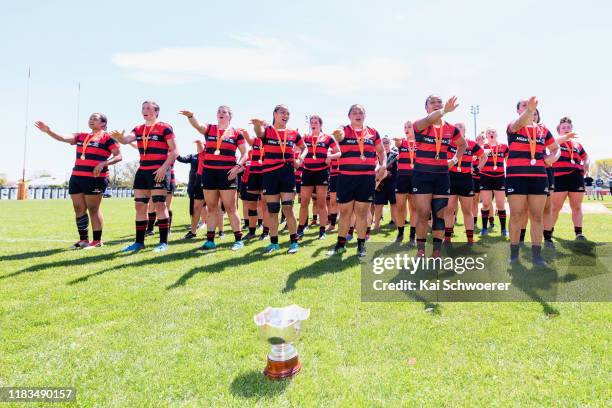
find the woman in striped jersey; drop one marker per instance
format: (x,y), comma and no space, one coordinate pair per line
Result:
(220,171)
(157,149)
(492,182)
(279,144)
(526,178)
(430,179)
(253,184)
(403,186)
(95,151)
(480,141)
(315,176)
(361,151)
(569,176)
(462,187)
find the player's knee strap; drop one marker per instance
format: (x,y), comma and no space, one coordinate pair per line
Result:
(437,204)
(159,198)
(287,202)
(252,213)
(144,200)
(82,222)
(273,208)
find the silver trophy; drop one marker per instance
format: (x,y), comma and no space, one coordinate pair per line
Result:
(280,326)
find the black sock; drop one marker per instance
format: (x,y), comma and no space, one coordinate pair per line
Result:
(341,242)
(97,235)
(252,230)
(210,236)
(293,238)
(163,225)
(475,221)
(334,218)
(437,244)
(266,230)
(169,219)
(523,232)
(321,230)
(547,235)
(577,230)
(151,222)
(501,214)
(514,251)
(491,219)
(421,244)
(237,236)
(400,231)
(412,233)
(301,228)
(82,223)
(274,240)
(315,218)
(351,230)
(368,230)
(536,251)
(259,222)
(141,227)
(485,218)
(448,232)
(360,243)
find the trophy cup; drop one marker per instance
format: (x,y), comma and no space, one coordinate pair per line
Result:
(280,326)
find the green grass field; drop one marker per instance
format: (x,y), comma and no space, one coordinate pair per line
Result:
(176,329)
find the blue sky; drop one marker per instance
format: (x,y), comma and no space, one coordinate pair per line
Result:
(316,57)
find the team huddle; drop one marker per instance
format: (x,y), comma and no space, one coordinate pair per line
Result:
(348,176)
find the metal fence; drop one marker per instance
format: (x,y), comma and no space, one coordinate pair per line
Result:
(51,193)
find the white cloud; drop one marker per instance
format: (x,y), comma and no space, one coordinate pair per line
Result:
(262,60)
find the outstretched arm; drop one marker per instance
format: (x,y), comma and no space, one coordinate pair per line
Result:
(43,127)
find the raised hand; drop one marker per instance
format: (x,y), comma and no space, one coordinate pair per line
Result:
(42,126)
(117,135)
(258,122)
(338,133)
(186,113)
(451,104)
(532,104)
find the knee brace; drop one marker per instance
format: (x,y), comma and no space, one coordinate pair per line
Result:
(273,208)
(144,200)
(252,213)
(159,198)
(437,204)
(82,222)
(252,196)
(287,202)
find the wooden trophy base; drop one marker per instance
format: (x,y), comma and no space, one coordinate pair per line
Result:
(279,370)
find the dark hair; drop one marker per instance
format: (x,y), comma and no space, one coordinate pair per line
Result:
(102,118)
(518,104)
(276,109)
(539,118)
(429,97)
(356,105)
(155,106)
(317,117)
(563,120)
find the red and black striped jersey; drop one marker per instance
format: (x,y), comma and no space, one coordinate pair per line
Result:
(255,154)
(472,151)
(323,144)
(156,152)
(407,155)
(226,142)
(426,147)
(298,172)
(96,151)
(350,159)
(572,158)
(273,142)
(335,168)
(519,156)
(494,166)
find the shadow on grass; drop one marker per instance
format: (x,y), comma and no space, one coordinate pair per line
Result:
(32,254)
(254,384)
(329,264)
(253,256)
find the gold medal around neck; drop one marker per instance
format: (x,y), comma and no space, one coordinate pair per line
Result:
(362,157)
(573,161)
(437,157)
(494,167)
(217,152)
(82,157)
(532,162)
